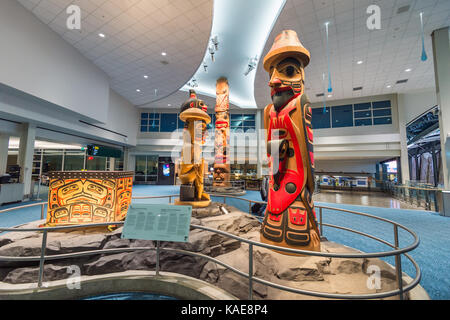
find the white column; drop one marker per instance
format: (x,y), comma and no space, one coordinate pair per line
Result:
(112,164)
(441,57)
(25,158)
(404,163)
(4,144)
(129,160)
(260,143)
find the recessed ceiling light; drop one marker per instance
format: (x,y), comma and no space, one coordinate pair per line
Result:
(330,95)
(145,76)
(163,53)
(101,35)
(408,70)
(138,90)
(359,62)
(169,105)
(388,86)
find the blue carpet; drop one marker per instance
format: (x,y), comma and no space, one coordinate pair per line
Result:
(432,255)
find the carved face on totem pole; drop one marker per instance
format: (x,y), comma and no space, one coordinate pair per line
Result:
(290,218)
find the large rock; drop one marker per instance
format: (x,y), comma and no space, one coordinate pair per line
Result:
(306,272)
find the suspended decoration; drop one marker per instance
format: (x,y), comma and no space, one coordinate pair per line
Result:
(330,89)
(251,65)
(424,54)
(215,42)
(153,116)
(324,99)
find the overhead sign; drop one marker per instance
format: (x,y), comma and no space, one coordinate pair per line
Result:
(158,222)
(103,151)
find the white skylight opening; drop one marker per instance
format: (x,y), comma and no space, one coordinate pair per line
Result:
(236,47)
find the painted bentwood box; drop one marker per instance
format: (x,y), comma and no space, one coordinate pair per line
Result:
(79,197)
(290,220)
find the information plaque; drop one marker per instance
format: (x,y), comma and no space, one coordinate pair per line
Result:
(157,222)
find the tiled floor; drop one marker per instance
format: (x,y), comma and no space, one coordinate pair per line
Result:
(375,199)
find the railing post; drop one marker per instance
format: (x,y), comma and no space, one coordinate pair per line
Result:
(42,210)
(224,199)
(398,264)
(39,189)
(41,261)
(250,207)
(250,271)
(170,199)
(157,257)
(321,226)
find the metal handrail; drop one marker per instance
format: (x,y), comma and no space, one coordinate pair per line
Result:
(397,252)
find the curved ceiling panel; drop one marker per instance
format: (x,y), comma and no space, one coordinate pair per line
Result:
(241,28)
(136,34)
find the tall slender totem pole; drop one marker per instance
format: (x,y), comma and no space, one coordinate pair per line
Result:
(192,166)
(221,175)
(290,219)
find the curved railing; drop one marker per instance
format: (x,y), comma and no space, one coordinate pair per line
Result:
(396,252)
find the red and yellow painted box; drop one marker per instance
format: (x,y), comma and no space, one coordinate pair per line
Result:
(83,197)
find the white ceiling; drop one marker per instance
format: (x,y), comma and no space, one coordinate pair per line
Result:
(238,43)
(385,53)
(137,32)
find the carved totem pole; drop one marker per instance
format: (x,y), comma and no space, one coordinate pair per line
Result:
(290,219)
(192,165)
(221,175)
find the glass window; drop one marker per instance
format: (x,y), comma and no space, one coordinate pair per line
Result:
(320,119)
(249,117)
(144,115)
(144,122)
(381,104)
(363,114)
(363,122)
(381,112)
(153,128)
(97,163)
(342,116)
(52,161)
(236,117)
(168,122)
(385,120)
(73,161)
(144,129)
(249,124)
(154,115)
(236,123)
(362,106)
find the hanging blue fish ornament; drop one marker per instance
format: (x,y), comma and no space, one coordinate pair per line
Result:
(424,54)
(330,89)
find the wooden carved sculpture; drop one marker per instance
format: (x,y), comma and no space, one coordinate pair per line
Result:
(290,219)
(192,165)
(221,175)
(83,197)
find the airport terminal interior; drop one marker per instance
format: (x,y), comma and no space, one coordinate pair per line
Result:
(194,146)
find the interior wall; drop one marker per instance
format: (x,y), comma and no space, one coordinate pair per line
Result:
(64,126)
(36,60)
